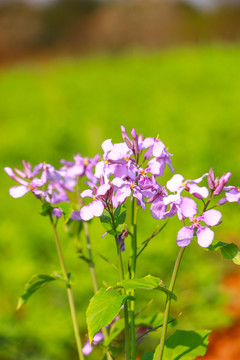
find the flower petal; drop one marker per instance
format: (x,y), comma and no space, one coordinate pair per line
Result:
(103,189)
(211,217)
(158,210)
(87,348)
(18,191)
(107,145)
(205,236)
(175,182)
(198,191)
(97,207)
(188,207)
(87,193)
(158,148)
(184,236)
(87,212)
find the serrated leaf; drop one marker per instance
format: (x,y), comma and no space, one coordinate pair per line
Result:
(103,308)
(36,282)
(185,345)
(149,282)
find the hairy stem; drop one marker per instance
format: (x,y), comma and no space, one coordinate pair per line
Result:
(69,293)
(168,303)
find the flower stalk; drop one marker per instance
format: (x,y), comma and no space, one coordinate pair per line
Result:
(69,292)
(168,303)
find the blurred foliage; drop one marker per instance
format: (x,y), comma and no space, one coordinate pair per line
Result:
(190,97)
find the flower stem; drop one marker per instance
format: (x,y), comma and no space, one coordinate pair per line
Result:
(91,263)
(121,270)
(69,293)
(133,272)
(93,276)
(168,303)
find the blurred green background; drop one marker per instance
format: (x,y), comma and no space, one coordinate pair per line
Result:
(190,97)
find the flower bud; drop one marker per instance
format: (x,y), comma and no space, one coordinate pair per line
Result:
(210,179)
(135,140)
(222,182)
(126,138)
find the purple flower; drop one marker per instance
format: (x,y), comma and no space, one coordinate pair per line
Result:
(232,194)
(125,189)
(158,208)
(79,167)
(96,207)
(121,238)
(204,234)
(176,184)
(25,187)
(87,348)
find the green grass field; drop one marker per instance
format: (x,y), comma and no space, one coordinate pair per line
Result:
(190,98)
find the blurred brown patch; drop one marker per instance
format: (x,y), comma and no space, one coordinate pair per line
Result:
(224,344)
(71,27)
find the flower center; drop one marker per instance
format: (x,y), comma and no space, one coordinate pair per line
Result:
(132,185)
(195,222)
(85,162)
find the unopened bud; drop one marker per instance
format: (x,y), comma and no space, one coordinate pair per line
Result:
(222,182)
(126,138)
(135,140)
(210,179)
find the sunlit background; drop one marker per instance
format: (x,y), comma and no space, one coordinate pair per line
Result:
(72,72)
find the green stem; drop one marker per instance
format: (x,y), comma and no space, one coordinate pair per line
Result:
(69,293)
(91,263)
(168,303)
(133,272)
(121,270)
(93,276)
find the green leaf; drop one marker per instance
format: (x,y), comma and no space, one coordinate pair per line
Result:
(148,356)
(149,282)
(103,308)
(120,215)
(46,209)
(107,223)
(119,219)
(36,282)
(228,250)
(185,345)
(236,259)
(66,209)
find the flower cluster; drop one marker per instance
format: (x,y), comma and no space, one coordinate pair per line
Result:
(130,169)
